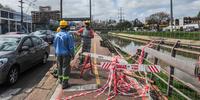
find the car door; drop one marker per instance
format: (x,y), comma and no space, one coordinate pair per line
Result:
(39,48)
(26,57)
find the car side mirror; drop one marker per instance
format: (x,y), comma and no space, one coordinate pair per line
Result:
(24,48)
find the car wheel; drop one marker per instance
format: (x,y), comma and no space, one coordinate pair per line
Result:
(44,60)
(13,75)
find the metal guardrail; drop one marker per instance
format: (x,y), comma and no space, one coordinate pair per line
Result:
(174,63)
(171,74)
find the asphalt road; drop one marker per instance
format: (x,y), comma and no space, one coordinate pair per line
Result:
(27,81)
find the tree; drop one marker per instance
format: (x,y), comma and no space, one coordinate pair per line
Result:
(1,6)
(137,23)
(159,18)
(198,15)
(124,25)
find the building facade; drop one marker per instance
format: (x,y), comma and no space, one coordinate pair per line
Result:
(10,21)
(191,20)
(45,15)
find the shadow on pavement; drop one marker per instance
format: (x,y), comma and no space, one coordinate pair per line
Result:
(29,79)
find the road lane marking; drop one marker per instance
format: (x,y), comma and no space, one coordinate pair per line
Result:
(95,67)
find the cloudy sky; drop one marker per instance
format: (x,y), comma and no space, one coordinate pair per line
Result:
(106,9)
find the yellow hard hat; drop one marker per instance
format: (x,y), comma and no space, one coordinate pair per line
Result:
(58,29)
(63,24)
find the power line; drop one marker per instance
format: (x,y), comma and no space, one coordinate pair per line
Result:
(31,4)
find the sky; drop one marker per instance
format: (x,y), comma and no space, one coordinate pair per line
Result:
(109,9)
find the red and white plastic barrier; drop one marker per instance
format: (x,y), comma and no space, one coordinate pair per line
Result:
(132,67)
(118,82)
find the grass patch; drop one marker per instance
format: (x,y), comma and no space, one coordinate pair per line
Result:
(181,87)
(176,35)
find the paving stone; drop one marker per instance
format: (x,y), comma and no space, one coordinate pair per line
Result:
(49,83)
(21,96)
(38,94)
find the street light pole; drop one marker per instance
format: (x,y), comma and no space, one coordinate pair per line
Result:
(90,2)
(171,13)
(61,9)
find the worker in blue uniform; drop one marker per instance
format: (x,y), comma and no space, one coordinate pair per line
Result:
(64,51)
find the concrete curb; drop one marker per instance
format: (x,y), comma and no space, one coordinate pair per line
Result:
(42,85)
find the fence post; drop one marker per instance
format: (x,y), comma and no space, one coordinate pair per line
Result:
(156,59)
(158,49)
(170,80)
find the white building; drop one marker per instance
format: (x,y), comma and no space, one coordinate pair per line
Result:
(183,26)
(10,22)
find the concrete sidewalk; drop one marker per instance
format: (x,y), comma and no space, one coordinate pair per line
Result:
(93,82)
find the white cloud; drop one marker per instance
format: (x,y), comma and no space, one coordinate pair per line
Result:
(105,9)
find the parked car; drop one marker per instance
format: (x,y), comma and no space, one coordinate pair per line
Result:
(19,53)
(14,33)
(46,35)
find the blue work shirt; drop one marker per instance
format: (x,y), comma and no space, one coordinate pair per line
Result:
(64,43)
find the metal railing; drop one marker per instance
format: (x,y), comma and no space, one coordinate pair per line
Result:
(171,76)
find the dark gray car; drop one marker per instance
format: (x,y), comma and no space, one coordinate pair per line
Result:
(46,35)
(19,53)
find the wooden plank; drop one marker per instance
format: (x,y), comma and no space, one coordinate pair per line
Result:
(177,63)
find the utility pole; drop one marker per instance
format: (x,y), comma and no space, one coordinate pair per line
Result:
(90,2)
(22,16)
(61,9)
(171,13)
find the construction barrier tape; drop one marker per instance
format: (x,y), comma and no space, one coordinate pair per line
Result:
(132,67)
(118,83)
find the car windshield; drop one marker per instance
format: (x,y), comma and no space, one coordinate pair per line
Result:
(41,32)
(9,43)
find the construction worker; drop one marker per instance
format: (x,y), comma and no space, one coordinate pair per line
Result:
(55,70)
(64,51)
(87,34)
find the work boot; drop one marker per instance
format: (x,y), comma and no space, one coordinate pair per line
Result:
(55,73)
(65,85)
(60,81)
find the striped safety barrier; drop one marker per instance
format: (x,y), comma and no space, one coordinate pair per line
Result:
(132,67)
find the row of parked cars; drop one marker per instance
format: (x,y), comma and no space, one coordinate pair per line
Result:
(19,52)
(46,35)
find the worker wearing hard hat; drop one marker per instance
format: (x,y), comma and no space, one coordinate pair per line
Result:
(87,34)
(64,51)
